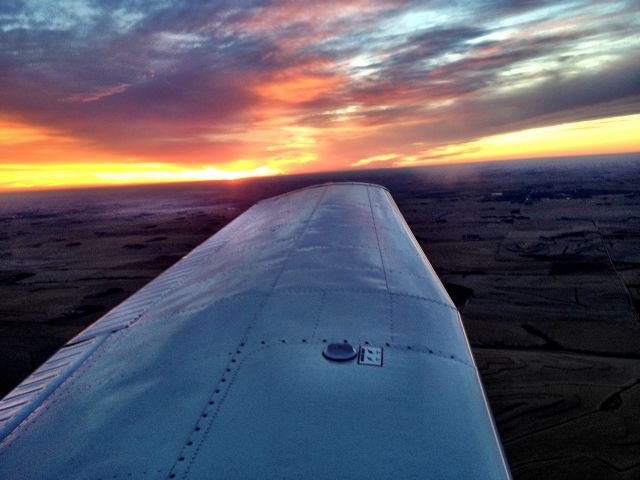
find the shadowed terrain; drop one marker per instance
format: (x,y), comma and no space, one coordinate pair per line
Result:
(542,258)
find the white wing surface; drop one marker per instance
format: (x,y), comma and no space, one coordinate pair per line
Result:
(236,362)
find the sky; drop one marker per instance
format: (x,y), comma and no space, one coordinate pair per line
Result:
(110,92)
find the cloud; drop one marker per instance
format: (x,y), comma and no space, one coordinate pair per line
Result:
(98,94)
(387,159)
(219,81)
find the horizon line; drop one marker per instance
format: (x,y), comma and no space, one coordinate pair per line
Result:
(355,171)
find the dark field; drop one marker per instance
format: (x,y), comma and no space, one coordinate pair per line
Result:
(542,258)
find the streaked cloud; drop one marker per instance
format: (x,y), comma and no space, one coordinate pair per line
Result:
(98,94)
(302,86)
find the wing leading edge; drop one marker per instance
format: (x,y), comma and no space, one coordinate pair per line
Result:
(216,368)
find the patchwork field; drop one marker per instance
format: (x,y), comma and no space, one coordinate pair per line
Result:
(542,258)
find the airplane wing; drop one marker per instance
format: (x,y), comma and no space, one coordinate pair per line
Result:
(309,338)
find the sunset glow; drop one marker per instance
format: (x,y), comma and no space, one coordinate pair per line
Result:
(591,137)
(168,93)
(66,175)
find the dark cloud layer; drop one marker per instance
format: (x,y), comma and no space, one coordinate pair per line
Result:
(191,76)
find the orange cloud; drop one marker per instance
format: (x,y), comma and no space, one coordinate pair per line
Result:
(15,133)
(295,86)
